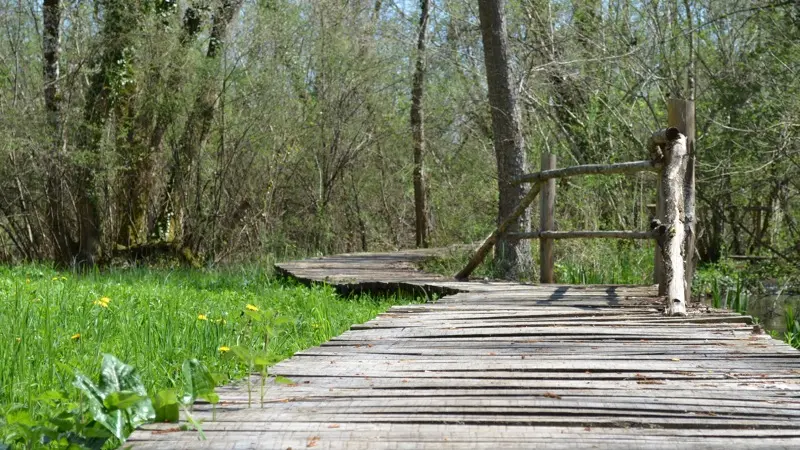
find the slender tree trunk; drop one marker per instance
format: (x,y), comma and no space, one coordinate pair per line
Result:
(51,46)
(418,128)
(512,258)
(146,140)
(198,126)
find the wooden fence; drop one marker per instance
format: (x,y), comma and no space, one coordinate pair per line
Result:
(672,156)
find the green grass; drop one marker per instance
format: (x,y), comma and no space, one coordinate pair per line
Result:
(53,322)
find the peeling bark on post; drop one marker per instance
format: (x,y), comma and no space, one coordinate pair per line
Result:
(682,116)
(672,231)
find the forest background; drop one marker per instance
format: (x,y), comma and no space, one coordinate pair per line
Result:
(226,130)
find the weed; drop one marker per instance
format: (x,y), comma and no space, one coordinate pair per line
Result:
(155,320)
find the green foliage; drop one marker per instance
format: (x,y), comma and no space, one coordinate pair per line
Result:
(792,320)
(154,320)
(119,402)
(113,408)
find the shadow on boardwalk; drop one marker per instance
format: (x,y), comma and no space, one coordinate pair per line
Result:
(504,365)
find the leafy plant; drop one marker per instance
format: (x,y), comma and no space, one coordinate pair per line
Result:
(268,322)
(119,401)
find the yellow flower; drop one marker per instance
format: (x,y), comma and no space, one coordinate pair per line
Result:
(75,336)
(202,317)
(251,307)
(105,300)
(63,278)
(224,349)
(55,278)
(100,304)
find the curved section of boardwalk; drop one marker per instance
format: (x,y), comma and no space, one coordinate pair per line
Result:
(502,365)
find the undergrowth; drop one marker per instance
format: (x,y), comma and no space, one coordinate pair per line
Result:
(230,321)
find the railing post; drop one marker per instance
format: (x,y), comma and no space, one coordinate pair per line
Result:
(681,115)
(658,260)
(547,221)
(672,232)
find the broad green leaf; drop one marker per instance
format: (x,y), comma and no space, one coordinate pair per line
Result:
(112,421)
(254,315)
(122,400)
(281,321)
(64,421)
(20,417)
(116,376)
(51,397)
(212,397)
(219,378)
(197,381)
(166,406)
(244,354)
(261,360)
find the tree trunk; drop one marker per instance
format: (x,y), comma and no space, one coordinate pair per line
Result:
(197,129)
(512,258)
(51,45)
(146,139)
(418,128)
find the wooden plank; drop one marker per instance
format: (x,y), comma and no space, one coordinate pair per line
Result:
(513,366)
(590,169)
(547,235)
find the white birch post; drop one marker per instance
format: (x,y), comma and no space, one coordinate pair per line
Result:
(673,231)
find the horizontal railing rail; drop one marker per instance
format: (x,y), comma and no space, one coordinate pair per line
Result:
(672,158)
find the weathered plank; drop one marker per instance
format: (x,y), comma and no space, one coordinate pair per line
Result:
(496,364)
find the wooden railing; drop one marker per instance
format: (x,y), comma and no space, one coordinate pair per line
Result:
(673,228)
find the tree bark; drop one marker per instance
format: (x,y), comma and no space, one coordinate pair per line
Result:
(146,139)
(512,258)
(418,128)
(673,232)
(196,131)
(51,46)
(120,19)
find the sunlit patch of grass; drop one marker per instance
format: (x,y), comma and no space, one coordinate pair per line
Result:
(154,320)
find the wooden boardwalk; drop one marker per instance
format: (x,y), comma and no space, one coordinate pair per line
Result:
(503,365)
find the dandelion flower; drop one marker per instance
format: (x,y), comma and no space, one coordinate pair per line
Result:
(100,304)
(63,278)
(55,278)
(251,307)
(105,300)
(202,317)
(224,349)
(75,336)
